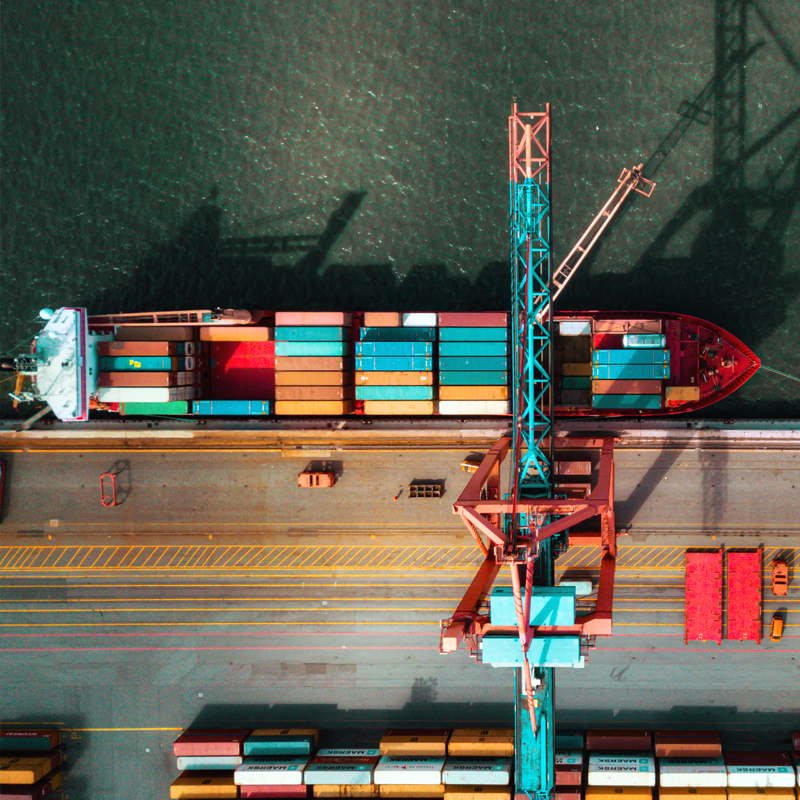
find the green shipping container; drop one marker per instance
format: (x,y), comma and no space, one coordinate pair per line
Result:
(175,408)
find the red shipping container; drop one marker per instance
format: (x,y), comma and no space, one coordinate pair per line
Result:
(688,744)
(243,370)
(575,794)
(608,341)
(757,758)
(313,392)
(485,319)
(322,318)
(210,742)
(618,739)
(569,774)
(314,378)
(313,363)
(275,792)
(630,386)
(382,319)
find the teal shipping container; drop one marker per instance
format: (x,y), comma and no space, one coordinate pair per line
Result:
(473,348)
(394,392)
(576,382)
(550,605)
(473,334)
(545,651)
(657,356)
(316,349)
(262,744)
(398,334)
(394,363)
(231,408)
(311,333)
(171,409)
(485,378)
(635,402)
(394,348)
(629,372)
(141,363)
(461,363)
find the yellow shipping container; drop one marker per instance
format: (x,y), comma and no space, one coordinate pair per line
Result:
(576,370)
(406,790)
(481,741)
(682,394)
(693,793)
(22,770)
(625,792)
(473,392)
(754,793)
(352,790)
(203,784)
(313,407)
(400,408)
(452,792)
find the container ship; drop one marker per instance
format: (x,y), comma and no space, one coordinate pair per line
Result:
(211,363)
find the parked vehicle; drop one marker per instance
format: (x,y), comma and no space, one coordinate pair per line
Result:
(780,577)
(471,463)
(776,629)
(318,478)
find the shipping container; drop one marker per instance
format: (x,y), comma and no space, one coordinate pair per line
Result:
(483,319)
(395,349)
(620,775)
(573,397)
(393,378)
(205,784)
(568,793)
(144,394)
(473,393)
(481,742)
(680,772)
(687,744)
(470,770)
(353,790)
(658,356)
(17,771)
(420,319)
(627,387)
(154,333)
(324,318)
(313,407)
(464,378)
(313,364)
(415,742)
(394,364)
(275,792)
(398,334)
(608,341)
(231,408)
(404,790)
(472,363)
(382,319)
(477,793)
(744,597)
(281,741)
(473,334)
(177,408)
(237,333)
(569,775)
(271,770)
(621,792)
(34,791)
(569,758)
(311,333)
(145,348)
(29,739)
(760,793)
(343,770)
(550,605)
(765,777)
(348,752)
(144,363)
(692,793)
(570,368)
(209,762)
(644,340)
(399,407)
(474,407)
(330,378)
(675,395)
(313,349)
(632,326)
(210,742)
(618,739)
(575,327)
(394,392)
(613,372)
(313,392)
(635,402)
(570,739)
(146,378)
(471,349)
(411,770)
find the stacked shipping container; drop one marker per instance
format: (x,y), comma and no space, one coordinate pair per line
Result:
(473,364)
(30,764)
(394,363)
(314,362)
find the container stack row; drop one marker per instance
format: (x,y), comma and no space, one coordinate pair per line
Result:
(394,364)
(313,363)
(473,364)
(30,764)
(151,370)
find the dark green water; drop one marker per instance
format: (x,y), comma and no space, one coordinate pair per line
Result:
(139,138)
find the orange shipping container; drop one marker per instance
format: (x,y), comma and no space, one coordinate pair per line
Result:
(313,363)
(313,392)
(154,333)
(382,319)
(346,790)
(237,333)
(454,792)
(576,370)
(399,408)
(313,407)
(411,790)
(481,741)
(632,386)
(413,741)
(473,392)
(203,784)
(331,378)
(694,793)
(394,378)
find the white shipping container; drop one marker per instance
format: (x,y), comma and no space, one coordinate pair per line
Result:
(575,327)
(572,757)
(474,407)
(420,320)
(626,759)
(477,770)
(761,777)
(339,774)
(621,775)
(692,772)
(344,752)
(270,771)
(209,762)
(409,770)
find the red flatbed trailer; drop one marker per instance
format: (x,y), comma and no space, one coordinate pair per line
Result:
(744,595)
(703,596)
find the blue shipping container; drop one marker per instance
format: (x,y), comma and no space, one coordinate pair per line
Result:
(394,392)
(311,333)
(473,334)
(473,349)
(631,357)
(638,402)
(498,378)
(394,348)
(141,364)
(461,363)
(614,372)
(231,408)
(394,363)
(312,348)
(398,334)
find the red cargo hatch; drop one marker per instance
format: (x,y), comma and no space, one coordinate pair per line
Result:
(703,596)
(242,370)
(744,595)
